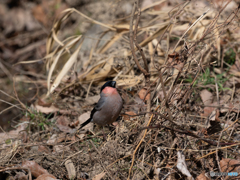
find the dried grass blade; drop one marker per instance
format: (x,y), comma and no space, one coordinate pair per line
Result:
(107,45)
(65,68)
(94,21)
(66,47)
(53,35)
(52,68)
(155,35)
(152,5)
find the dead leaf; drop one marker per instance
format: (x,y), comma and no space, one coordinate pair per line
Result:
(206,97)
(73,124)
(202,177)
(179,66)
(109,43)
(13,134)
(52,140)
(230,165)
(63,138)
(182,166)
(70,169)
(142,94)
(46,110)
(35,168)
(156,34)
(60,148)
(130,82)
(99,176)
(63,124)
(174,56)
(43,149)
(46,177)
(42,102)
(126,117)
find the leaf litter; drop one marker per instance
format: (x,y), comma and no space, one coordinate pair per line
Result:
(180,117)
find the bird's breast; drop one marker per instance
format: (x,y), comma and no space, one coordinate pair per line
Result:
(110,110)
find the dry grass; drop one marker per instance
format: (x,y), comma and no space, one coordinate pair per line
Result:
(169,53)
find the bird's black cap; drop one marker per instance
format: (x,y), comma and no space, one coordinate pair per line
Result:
(109,84)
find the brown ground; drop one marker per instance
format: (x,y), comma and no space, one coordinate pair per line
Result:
(182,96)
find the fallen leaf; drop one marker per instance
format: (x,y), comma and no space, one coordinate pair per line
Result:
(202,177)
(13,134)
(206,97)
(73,124)
(179,66)
(42,102)
(230,165)
(142,94)
(63,124)
(43,149)
(99,176)
(46,110)
(126,117)
(46,177)
(182,166)
(60,148)
(52,140)
(70,169)
(115,123)
(35,168)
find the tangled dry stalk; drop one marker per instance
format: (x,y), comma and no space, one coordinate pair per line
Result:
(151,144)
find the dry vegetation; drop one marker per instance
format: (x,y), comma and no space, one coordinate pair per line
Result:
(176,65)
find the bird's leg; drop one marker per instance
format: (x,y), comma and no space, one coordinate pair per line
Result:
(104,136)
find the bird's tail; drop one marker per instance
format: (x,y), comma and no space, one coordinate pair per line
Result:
(85,123)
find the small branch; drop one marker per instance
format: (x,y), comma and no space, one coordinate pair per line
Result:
(135,38)
(133,156)
(131,42)
(189,133)
(189,29)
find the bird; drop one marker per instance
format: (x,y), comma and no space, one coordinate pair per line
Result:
(108,107)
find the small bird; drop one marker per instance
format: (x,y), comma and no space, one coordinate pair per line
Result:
(108,107)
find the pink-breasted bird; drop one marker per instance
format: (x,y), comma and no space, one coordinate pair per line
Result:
(108,107)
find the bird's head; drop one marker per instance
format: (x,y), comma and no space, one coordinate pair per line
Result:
(111,84)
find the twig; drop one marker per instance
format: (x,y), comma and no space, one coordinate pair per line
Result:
(189,133)
(71,156)
(133,156)
(202,16)
(135,39)
(131,42)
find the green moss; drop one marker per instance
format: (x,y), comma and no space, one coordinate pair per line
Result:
(230,56)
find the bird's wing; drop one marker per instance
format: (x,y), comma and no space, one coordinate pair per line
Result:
(100,103)
(98,107)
